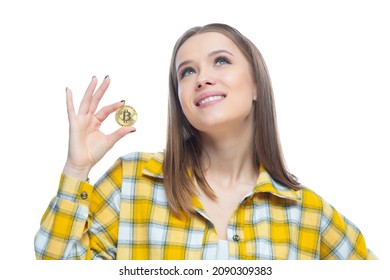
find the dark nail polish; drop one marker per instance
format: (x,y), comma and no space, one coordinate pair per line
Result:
(66,89)
(93,77)
(123,101)
(106,77)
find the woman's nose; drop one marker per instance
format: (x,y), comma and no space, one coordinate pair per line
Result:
(204,81)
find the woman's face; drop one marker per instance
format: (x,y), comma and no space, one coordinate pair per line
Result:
(215,85)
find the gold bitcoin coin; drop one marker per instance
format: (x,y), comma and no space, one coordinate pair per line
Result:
(126,116)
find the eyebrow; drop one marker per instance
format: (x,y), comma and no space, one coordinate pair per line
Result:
(210,55)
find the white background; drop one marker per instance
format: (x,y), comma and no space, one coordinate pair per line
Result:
(328,60)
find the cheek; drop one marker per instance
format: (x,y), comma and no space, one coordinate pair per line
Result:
(184,100)
(181,96)
(241,83)
(244,82)
(181,93)
(184,93)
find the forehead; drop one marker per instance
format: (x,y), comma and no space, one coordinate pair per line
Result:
(203,44)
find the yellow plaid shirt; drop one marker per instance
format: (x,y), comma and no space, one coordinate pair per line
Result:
(126,216)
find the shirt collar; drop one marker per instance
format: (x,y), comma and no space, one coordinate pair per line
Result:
(264,184)
(154,167)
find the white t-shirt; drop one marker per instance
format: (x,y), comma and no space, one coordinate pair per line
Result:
(222,250)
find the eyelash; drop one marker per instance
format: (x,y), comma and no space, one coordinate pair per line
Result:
(183,72)
(224,59)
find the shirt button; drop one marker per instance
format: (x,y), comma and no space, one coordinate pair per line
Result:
(236,238)
(84,195)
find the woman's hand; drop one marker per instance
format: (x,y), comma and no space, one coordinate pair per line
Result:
(87,144)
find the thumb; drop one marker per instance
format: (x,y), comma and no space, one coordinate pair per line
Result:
(119,134)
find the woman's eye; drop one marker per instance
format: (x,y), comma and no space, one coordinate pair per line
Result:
(222,61)
(186,72)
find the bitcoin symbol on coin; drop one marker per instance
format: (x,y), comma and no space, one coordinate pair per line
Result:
(126,116)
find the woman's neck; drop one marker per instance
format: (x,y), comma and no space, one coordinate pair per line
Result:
(228,158)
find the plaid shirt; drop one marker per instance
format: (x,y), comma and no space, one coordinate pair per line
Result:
(126,216)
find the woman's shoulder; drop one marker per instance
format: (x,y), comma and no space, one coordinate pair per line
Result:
(143,163)
(141,156)
(310,199)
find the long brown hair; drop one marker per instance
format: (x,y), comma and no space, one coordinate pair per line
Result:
(183,147)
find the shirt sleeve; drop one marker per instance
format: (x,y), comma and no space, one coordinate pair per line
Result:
(340,238)
(81,221)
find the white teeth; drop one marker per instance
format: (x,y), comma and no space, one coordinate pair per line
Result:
(210,98)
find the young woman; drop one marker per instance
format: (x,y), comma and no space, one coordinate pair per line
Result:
(220,189)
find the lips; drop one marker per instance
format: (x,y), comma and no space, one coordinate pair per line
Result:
(209,97)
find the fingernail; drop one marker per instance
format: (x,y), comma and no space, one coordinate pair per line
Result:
(66,89)
(93,77)
(123,101)
(106,77)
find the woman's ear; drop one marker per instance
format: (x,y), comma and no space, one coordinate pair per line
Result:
(254,96)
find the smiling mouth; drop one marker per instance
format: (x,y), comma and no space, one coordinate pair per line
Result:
(210,99)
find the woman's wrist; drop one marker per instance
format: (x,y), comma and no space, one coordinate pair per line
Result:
(80,173)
